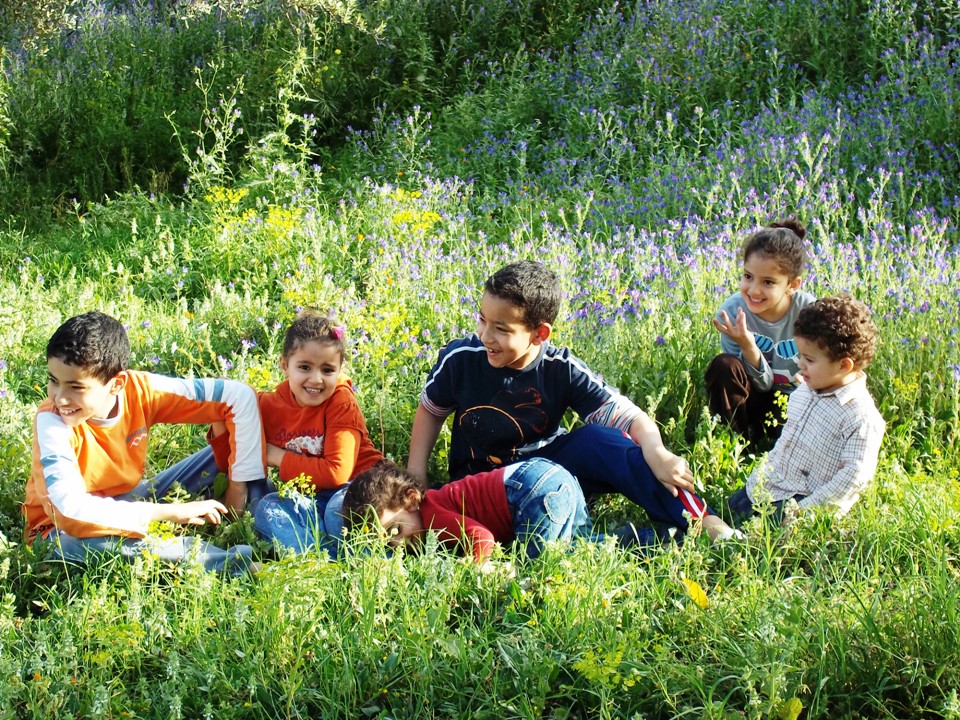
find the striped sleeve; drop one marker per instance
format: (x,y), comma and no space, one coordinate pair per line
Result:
(71,507)
(200,401)
(618,412)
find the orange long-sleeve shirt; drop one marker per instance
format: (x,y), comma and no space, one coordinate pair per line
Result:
(329,443)
(77,471)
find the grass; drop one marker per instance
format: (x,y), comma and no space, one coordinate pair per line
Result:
(631,147)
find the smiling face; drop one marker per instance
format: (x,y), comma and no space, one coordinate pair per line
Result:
(78,395)
(509,341)
(313,370)
(821,372)
(766,288)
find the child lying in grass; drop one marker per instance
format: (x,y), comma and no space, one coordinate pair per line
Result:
(827,453)
(532,502)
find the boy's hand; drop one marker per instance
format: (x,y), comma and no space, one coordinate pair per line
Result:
(199,512)
(791,511)
(235,498)
(671,470)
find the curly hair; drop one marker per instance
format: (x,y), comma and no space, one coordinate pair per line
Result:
(532,287)
(842,326)
(781,241)
(385,486)
(312,326)
(93,341)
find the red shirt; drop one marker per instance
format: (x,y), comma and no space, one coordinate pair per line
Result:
(471,512)
(329,444)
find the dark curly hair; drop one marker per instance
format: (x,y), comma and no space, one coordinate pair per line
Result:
(93,341)
(781,241)
(385,486)
(312,326)
(842,326)
(532,287)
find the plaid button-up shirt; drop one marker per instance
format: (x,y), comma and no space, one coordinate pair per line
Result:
(827,451)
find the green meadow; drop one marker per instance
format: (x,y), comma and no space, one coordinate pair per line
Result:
(204,170)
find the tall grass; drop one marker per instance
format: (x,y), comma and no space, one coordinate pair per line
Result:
(237,168)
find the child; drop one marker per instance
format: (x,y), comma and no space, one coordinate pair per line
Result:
(314,428)
(86,489)
(828,451)
(535,502)
(508,389)
(759,360)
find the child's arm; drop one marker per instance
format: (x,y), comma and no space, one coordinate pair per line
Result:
(671,470)
(324,443)
(423,436)
(737,331)
(621,413)
(82,514)
(455,528)
(231,406)
(200,512)
(341,448)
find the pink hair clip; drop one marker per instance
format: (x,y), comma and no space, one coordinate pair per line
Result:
(337,331)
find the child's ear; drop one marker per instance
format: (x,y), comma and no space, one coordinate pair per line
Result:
(283,365)
(412,499)
(794,285)
(542,332)
(847,365)
(117,382)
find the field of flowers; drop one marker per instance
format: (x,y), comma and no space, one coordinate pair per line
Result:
(204,170)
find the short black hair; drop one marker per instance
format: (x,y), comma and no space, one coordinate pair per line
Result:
(842,326)
(532,287)
(93,341)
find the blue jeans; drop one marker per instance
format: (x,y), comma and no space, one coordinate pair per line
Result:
(195,474)
(300,523)
(605,460)
(547,504)
(742,509)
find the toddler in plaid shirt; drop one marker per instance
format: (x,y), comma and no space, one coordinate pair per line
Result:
(828,450)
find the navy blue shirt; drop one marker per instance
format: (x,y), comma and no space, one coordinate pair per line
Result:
(502,414)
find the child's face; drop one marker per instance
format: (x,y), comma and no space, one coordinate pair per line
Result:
(509,341)
(313,370)
(78,395)
(403,527)
(819,370)
(765,288)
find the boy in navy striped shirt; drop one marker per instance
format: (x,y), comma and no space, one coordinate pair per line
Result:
(508,389)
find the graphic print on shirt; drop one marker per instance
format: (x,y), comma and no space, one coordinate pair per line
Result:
(785,349)
(496,431)
(305,445)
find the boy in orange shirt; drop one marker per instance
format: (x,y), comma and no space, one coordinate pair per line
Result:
(86,493)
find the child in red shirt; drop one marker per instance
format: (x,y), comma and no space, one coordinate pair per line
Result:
(533,502)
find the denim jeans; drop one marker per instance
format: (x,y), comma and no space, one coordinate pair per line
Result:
(547,504)
(605,460)
(742,509)
(300,523)
(195,474)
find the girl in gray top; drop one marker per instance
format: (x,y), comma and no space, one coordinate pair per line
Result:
(759,359)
